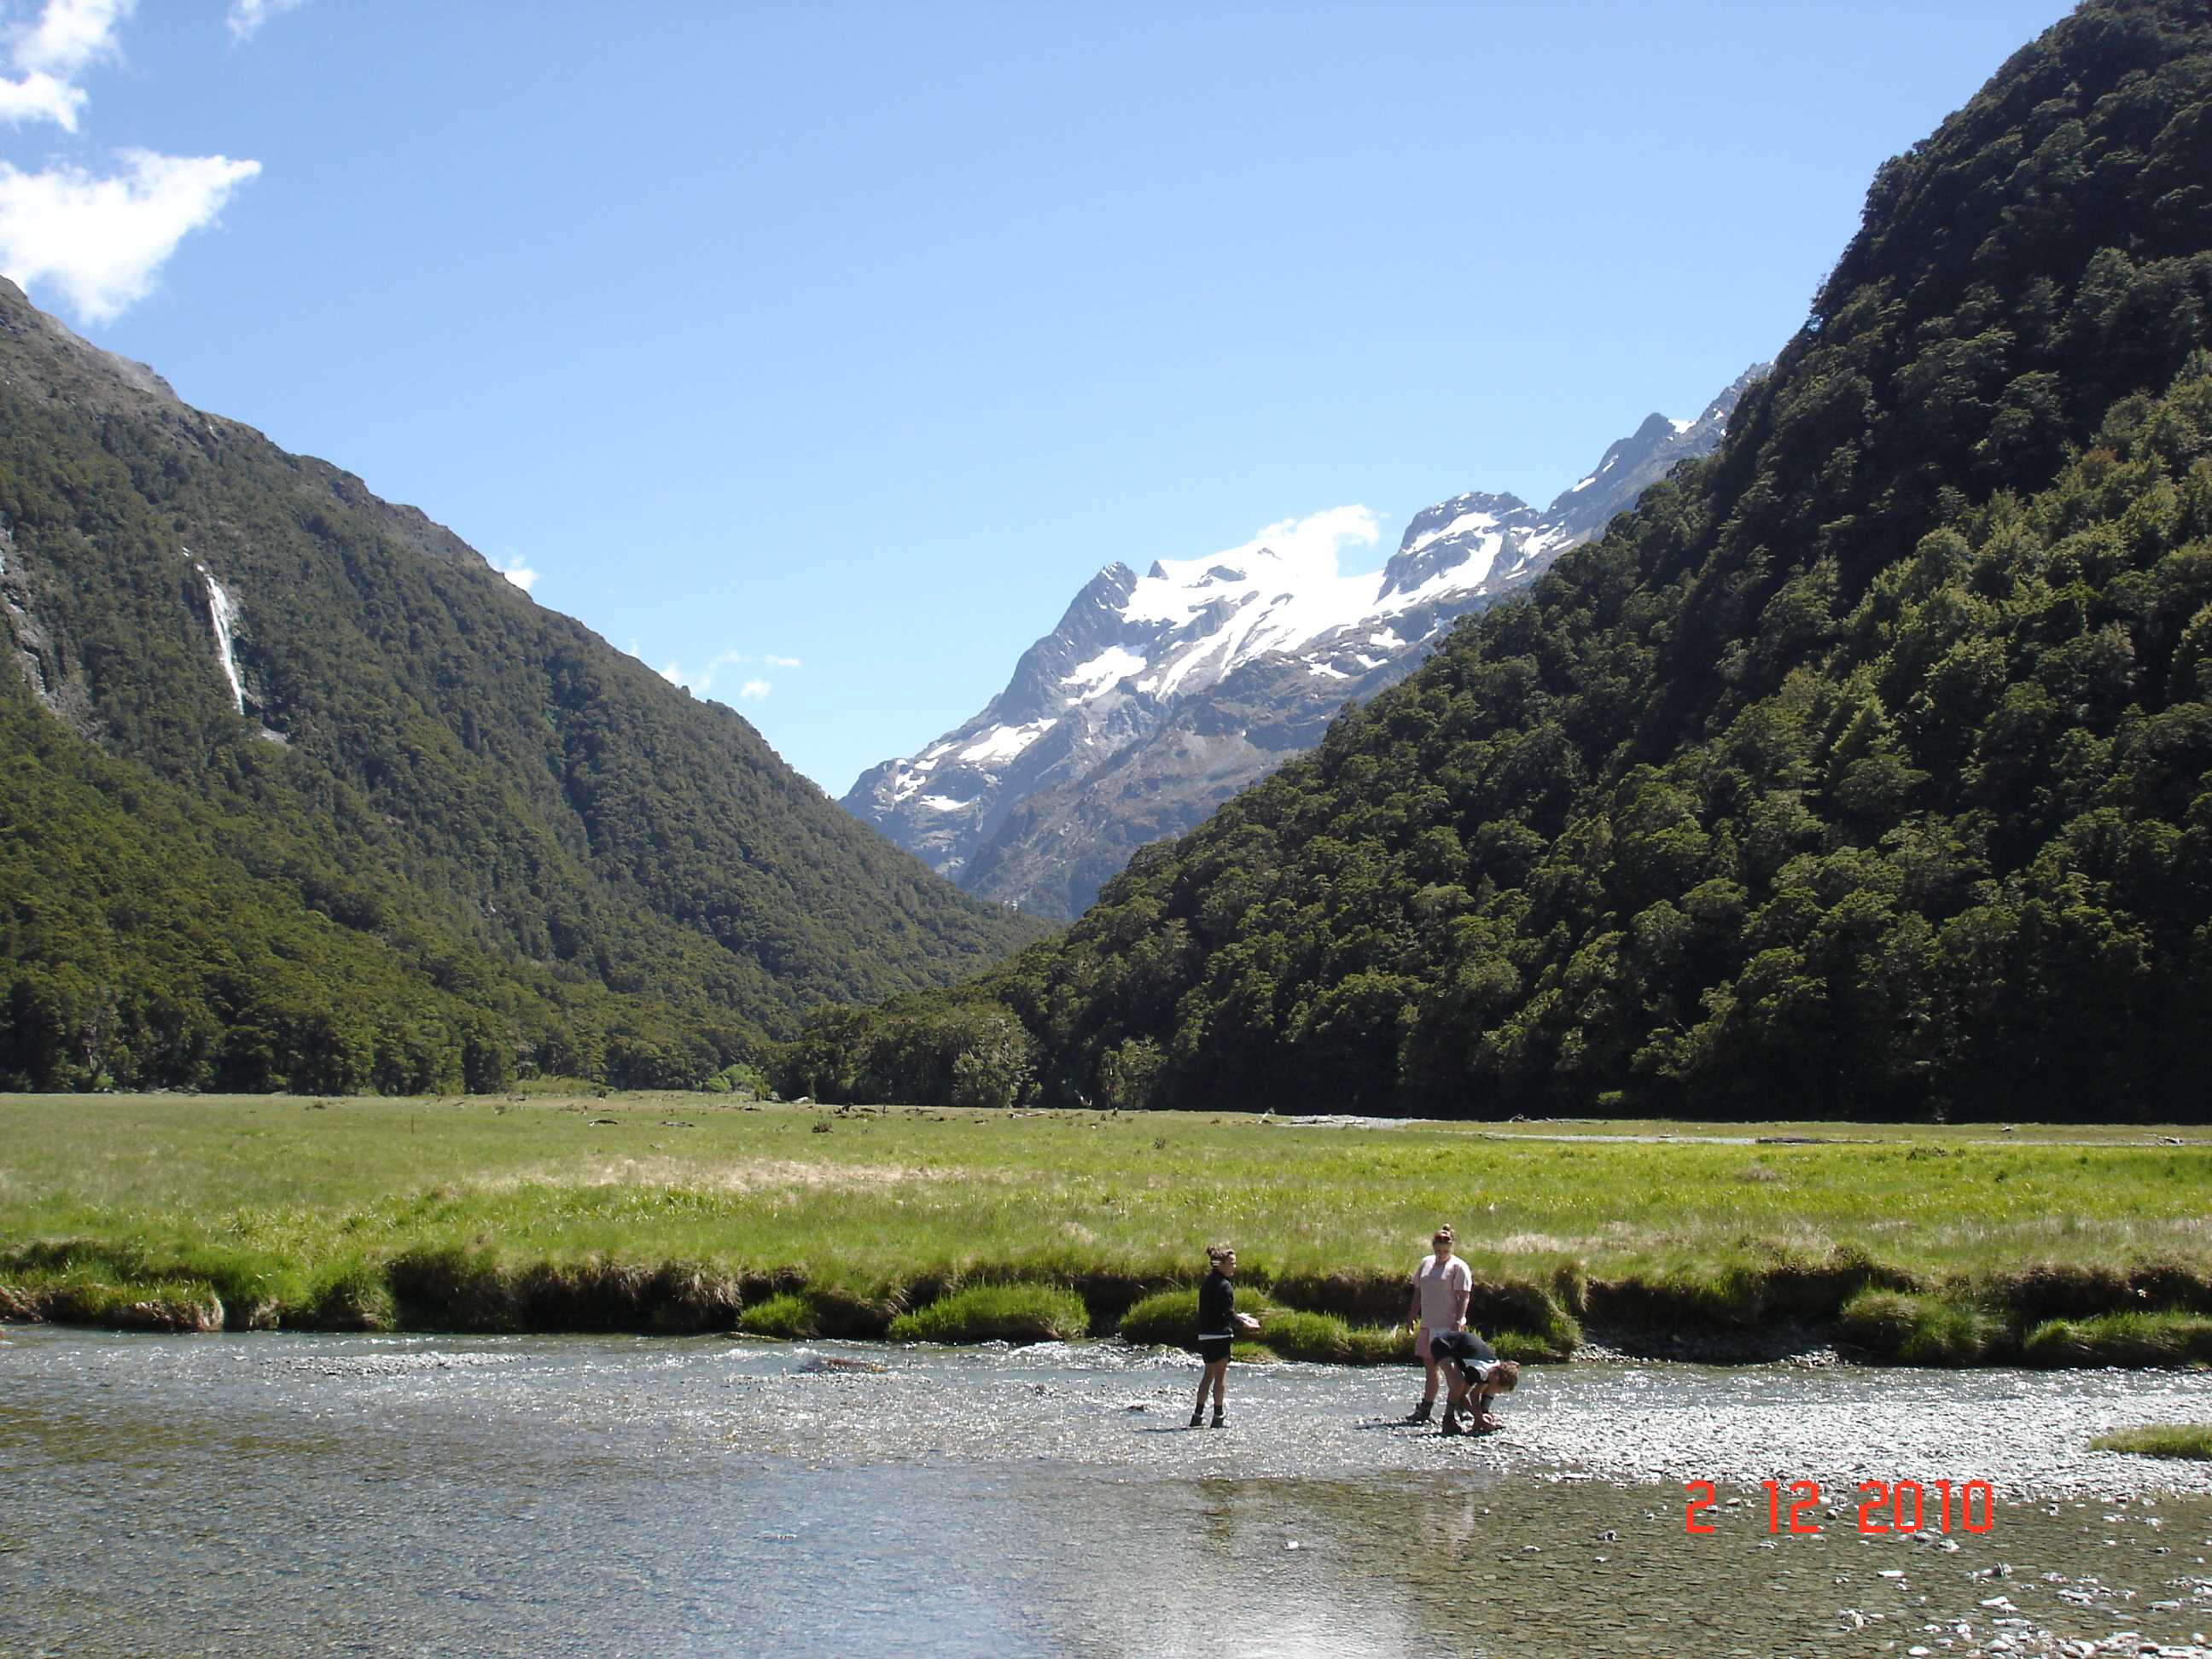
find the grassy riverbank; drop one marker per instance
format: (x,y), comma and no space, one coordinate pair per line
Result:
(671,1212)
(2192,1441)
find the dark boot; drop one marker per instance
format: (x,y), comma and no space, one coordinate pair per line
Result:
(1420,1413)
(1219,1421)
(1198,1418)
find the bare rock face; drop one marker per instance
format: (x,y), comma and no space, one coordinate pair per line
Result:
(1159,696)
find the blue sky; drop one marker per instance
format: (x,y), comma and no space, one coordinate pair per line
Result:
(819,353)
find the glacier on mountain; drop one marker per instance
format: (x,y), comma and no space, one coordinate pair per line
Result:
(1158,696)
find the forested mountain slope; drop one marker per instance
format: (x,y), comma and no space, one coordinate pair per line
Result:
(296,789)
(1864,770)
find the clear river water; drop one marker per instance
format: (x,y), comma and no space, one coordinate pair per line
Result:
(261,1493)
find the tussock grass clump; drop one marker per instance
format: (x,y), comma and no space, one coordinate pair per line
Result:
(82,1299)
(2046,1290)
(1381,1345)
(1791,1284)
(1317,1338)
(2139,1340)
(1880,1320)
(1570,1286)
(1686,1293)
(73,1282)
(1538,1348)
(1519,1305)
(452,1288)
(351,1296)
(786,1315)
(1168,1319)
(121,1284)
(854,1313)
(1357,1298)
(2192,1440)
(996,1313)
(1909,1329)
(449,1288)
(2049,1291)
(1526,1313)
(158,1308)
(1758,1283)
(599,1293)
(2162,1283)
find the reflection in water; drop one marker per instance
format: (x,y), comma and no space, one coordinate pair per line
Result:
(261,1494)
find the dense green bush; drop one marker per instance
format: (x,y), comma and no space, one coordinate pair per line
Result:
(997,1313)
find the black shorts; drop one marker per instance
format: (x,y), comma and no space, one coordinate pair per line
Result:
(1214,1349)
(1463,1347)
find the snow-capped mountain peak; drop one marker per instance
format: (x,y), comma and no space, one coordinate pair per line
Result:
(1139,660)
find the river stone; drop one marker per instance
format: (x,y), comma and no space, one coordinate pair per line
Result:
(834,1364)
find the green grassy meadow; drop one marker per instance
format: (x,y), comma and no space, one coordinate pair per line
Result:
(2184,1440)
(673,1212)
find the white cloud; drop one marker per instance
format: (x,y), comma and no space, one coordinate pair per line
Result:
(40,97)
(248,15)
(519,573)
(715,665)
(697,681)
(98,240)
(101,240)
(701,680)
(70,36)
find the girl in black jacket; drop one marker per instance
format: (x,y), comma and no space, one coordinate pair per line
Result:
(1219,1322)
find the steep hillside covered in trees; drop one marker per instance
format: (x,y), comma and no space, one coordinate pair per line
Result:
(1864,770)
(294,789)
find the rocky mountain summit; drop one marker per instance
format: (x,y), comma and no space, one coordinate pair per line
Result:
(1158,696)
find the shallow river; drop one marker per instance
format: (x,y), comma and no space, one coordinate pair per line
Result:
(263,1493)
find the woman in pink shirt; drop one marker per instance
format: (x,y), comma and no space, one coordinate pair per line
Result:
(1442,1284)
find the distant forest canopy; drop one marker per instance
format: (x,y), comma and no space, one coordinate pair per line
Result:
(450,838)
(1864,770)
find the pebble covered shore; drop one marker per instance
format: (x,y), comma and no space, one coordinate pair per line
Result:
(1570,1525)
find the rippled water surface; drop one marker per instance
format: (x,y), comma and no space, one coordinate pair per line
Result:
(269,1493)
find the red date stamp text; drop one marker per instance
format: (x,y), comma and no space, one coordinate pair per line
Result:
(1890,1506)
